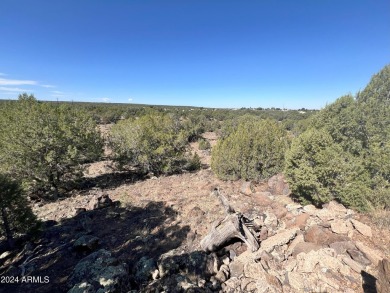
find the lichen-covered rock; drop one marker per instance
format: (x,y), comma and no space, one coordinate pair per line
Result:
(198,264)
(86,242)
(373,255)
(279,239)
(324,258)
(100,270)
(144,269)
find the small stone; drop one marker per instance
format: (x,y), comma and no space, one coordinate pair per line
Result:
(358,256)
(5,254)
(226,260)
(155,274)
(247,188)
(306,247)
(341,247)
(341,226)
(336,207)
(373,255)
(87,242)
(232,283)
(278,239)
(236,269)
(262,199)
(294,243)
(362,228)
(270,220)
(223,273)
(310,209)
(357,267)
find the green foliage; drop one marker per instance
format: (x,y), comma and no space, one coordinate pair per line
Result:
(318,170)
(204,144)
(194,163)
(16,215)
(254,150)
(45,144)
(356,133)
(154,143)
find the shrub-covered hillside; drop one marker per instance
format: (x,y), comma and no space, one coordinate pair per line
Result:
(345,153)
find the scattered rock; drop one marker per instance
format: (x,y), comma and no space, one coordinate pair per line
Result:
(83,287)
(247,188)
(294,243)
(341,247)
(299,221)
(5,254)
(231,285)
(357,267)
(336,207)
(197,263)
(278,185)
(262,199)
(362,228)
(236,268)
(310,209)
(325,258)
(306,247)
(100,270)
(223,273)
(77,211)
(358,256)
(341,226)
(271,221)
(145,270)
(279,210)
(99,202)
(279,239)
(320,235)
(86,242)
(373,255)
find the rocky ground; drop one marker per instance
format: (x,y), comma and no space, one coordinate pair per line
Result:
(123,233)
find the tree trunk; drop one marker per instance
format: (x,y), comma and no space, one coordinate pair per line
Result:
(7,228)
(232,226)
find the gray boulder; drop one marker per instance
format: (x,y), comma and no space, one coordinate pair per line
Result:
(101,271)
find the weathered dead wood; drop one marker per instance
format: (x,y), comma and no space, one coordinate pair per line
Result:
(383,281)
(232,226)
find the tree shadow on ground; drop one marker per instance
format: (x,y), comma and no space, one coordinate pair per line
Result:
(110,180)
(129,233)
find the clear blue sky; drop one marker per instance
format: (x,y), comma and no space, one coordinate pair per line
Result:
(291,54)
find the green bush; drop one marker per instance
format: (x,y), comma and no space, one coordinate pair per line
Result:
(347,157)
(318,170)
(16,215)
(253,150)
(45,144)
(204,144)
(153,143)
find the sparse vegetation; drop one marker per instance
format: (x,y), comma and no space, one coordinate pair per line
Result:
(204,144)
(153,143)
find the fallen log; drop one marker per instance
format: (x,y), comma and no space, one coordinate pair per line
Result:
(234,225)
